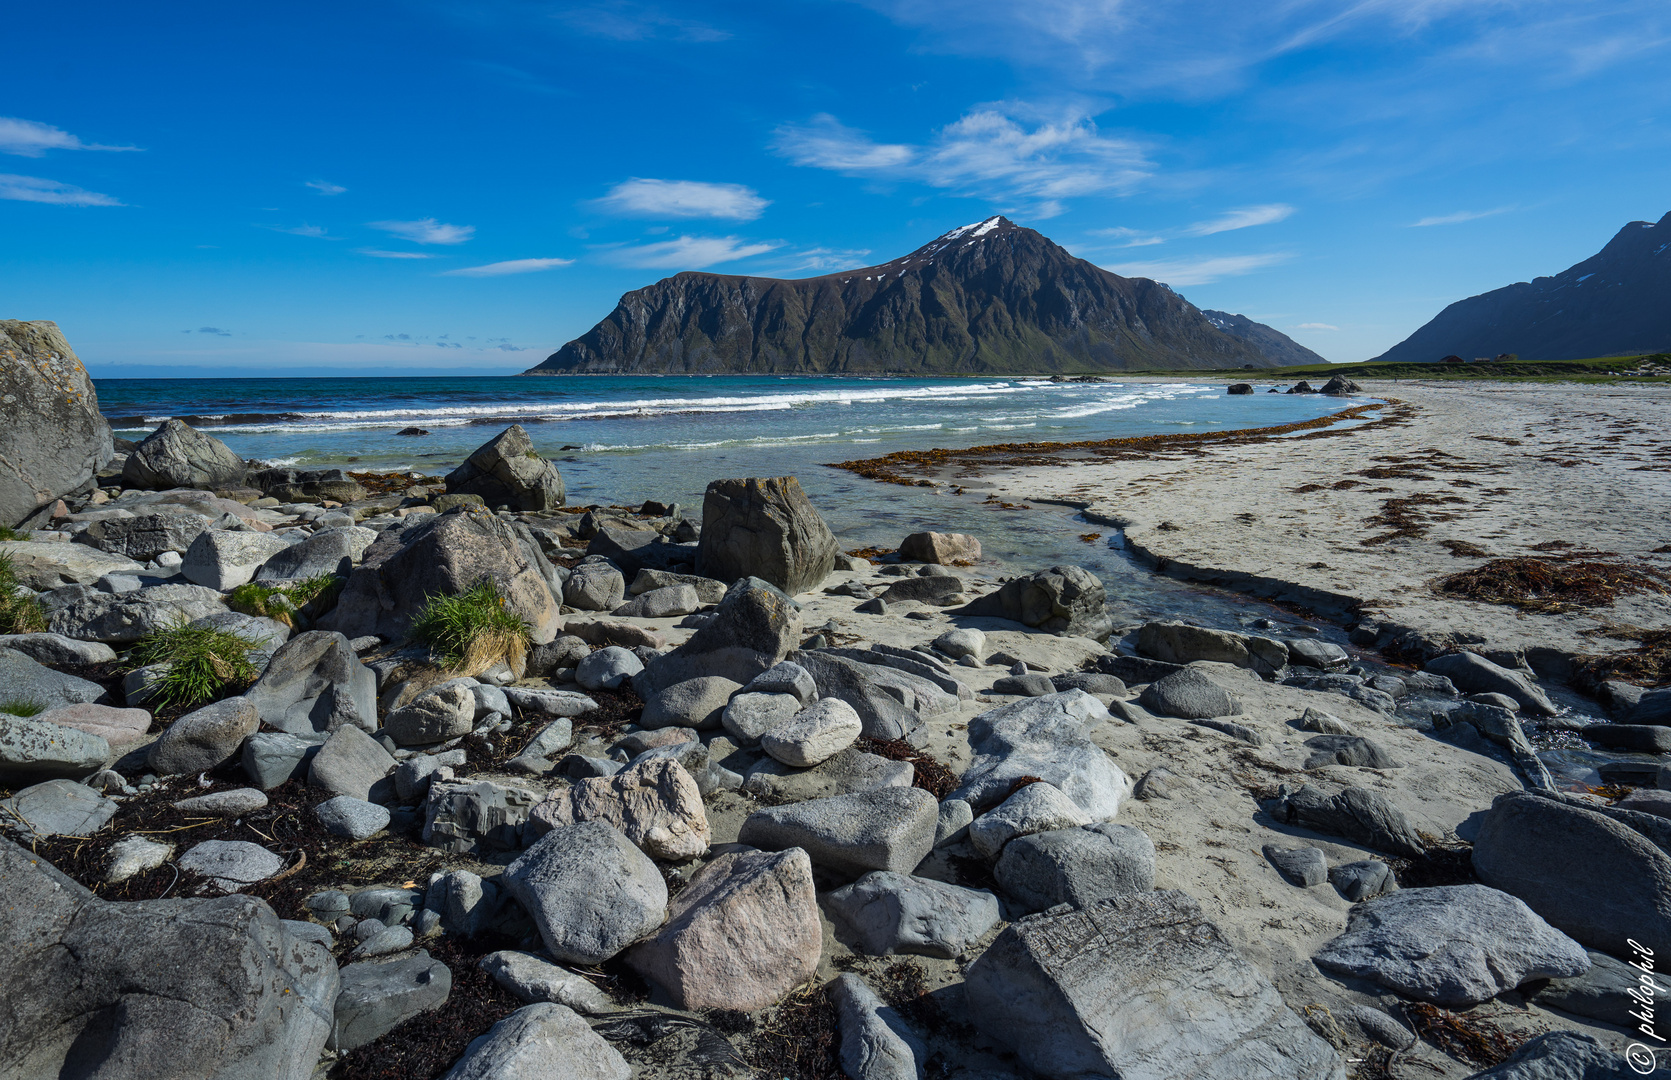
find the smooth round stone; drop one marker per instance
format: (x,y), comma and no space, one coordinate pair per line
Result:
(353,818)
(224,803)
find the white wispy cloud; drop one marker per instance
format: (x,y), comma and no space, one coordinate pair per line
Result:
(1315,326)
(325,187)
(426,231)
(825,259)
(1459,217)
(379,253)
(41,190)
(1199,271)
(509,266)
(623,21)
(27,138)
(689,252)
(1245,218)
(639,197)
(316,232)
(989,153)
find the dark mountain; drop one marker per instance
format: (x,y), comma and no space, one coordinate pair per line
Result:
(1615,303)
(990,297)
(1278,347)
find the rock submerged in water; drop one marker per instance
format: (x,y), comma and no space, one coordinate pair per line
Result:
(506,471)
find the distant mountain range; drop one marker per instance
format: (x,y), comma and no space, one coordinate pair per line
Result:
(1615,303)
(991,297)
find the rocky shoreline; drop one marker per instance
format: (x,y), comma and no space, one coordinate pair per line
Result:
(740,803)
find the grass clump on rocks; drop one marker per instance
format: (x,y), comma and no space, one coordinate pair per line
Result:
(18,614)
(285,603)
(197,665)
(24,707)
(473,630)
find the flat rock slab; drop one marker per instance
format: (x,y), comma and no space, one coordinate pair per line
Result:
(1141,987)
(59,808)
(229,865)
(532,979)
(120,728)
(378,996)
(1357,814)
(887,829)
(550,702)
(1303,867)
(231,803)
(23,679)
(896,913)
(1454,945)
(741,935)
(1076,866)
(32,751)
(1044,737)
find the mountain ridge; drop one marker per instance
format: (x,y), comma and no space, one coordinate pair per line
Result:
(1615,303)
(992,297)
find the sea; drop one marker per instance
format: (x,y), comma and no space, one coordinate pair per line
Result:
(622,440)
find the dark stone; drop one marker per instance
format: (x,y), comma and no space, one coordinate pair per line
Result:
(1060,600)
(53,440)
(1357,814)
(505,471)
(764,528)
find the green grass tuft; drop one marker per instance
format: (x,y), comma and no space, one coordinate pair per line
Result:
(285,603)
(204,664)
(18,614)
(11,534)
(473,630)
(22,707)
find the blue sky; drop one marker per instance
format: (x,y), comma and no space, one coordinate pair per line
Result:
(387,187)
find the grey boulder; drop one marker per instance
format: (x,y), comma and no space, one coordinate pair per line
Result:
(505,471)
(204,739)
(1302,867)
(327,552)
(1060,600)
(764,528)
(1190,695)
(315,682)
(1044,737)
(352,763)
(1140,986)
(528,1044)
(177,455)
(889,912)
(607,668)
(54,440)
(876,1044)
(441,713)
(594,585)
(887,829)
(24,680)
(353,818)
(534,979)
(1076,866)
(590,890)
(224,559)
(1357,814)
(32,751)
(378,996)
(1037,807)
(1454,945)
(58,808)
(1567,1055)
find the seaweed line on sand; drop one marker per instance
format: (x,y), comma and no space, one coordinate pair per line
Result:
(890,468)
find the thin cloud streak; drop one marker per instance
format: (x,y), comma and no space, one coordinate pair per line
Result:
(325,187)
(426,231)
(1245,218)
(643,198)
(1315,326)
(1202,271)
(688,252)
(40,190)
(986,153)
(27,138)
(509,266)
(379,253)
(1458,218)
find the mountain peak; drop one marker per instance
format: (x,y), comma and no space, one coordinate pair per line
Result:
(988,297)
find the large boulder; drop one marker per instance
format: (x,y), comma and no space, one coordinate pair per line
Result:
(945,549)
(890,912)
(178,455)
(130,616)
(526,1044)
(754,627)
(1138,986)
(316,682)
(40,566)
(764,528)
(1076,866)
(204,739)
(1045,738)
(1190,695)
(220,989)
(1060,600)
(1474,674)
(1454,945)
(24,680)
(1567,1055)
(53,440)
(1595,876)
(225,558)
(32,751)
(443,554)
(590,891)
(741,935)
(505,471)
(891,703)
(1358,814)
(655,803)
(328,551)
(143,537)
(1181,643)
(891,828)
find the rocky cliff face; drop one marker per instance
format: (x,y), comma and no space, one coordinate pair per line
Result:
(990,297)
(52,438)
(1615,303)
(1276,346)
